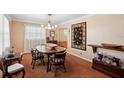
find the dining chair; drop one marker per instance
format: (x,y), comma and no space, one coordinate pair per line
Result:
(36,56)
(21,56)
(58,60)
(11,70)
(10,55)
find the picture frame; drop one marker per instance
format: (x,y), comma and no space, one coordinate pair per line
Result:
(52,34)
(78,36)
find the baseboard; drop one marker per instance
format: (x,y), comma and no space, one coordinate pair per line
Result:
(79,56)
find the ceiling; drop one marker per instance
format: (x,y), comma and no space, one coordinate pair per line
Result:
(43,18)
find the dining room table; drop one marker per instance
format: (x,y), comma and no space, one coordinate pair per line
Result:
(48,50)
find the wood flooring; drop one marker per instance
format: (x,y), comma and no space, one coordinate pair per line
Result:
(76,68)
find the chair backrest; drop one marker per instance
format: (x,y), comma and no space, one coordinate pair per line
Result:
(35,54)
(21,55)
(60,55)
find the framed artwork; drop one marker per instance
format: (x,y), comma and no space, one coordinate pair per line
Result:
(52,34)
(78,36)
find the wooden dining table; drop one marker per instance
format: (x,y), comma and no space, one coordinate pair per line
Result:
(48,51)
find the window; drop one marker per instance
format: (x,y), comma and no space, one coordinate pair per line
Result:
(34,35)
(4,34)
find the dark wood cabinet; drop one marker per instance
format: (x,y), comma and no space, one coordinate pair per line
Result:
(111,70)
(51,41)
(114,71)
(63,44)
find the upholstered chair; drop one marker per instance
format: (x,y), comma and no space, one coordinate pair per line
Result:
(11,70)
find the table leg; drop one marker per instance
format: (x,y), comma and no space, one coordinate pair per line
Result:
(48,64)
(19,60)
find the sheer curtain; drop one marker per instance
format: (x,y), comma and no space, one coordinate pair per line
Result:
(4,34)
(34,35)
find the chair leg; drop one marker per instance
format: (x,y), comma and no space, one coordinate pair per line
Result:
(50,67)
(55,68)
(9,76)
(55,71)
(3,76)
(43,62)
(64,67)
(33,64)
(23,74)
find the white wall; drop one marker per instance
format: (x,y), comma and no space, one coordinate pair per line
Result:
(104,28)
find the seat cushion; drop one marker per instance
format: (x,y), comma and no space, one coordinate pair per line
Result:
(15,68)
(1,74)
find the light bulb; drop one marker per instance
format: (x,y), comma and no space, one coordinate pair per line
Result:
(42,25)
(48,25)
(56,26)
(52,27)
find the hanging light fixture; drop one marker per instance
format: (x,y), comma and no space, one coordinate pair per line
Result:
(49,26)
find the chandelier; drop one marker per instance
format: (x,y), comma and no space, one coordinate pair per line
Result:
(49,26)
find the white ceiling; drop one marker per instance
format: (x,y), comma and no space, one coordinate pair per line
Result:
(43,18)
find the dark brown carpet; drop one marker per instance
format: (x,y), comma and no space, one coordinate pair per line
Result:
(76,68)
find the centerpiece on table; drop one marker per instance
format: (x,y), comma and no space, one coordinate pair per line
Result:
(51,46)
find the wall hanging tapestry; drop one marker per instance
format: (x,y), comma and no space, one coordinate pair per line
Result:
(78,36)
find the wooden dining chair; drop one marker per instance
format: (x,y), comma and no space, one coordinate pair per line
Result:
(36,56)
(58,60)
(11,70)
